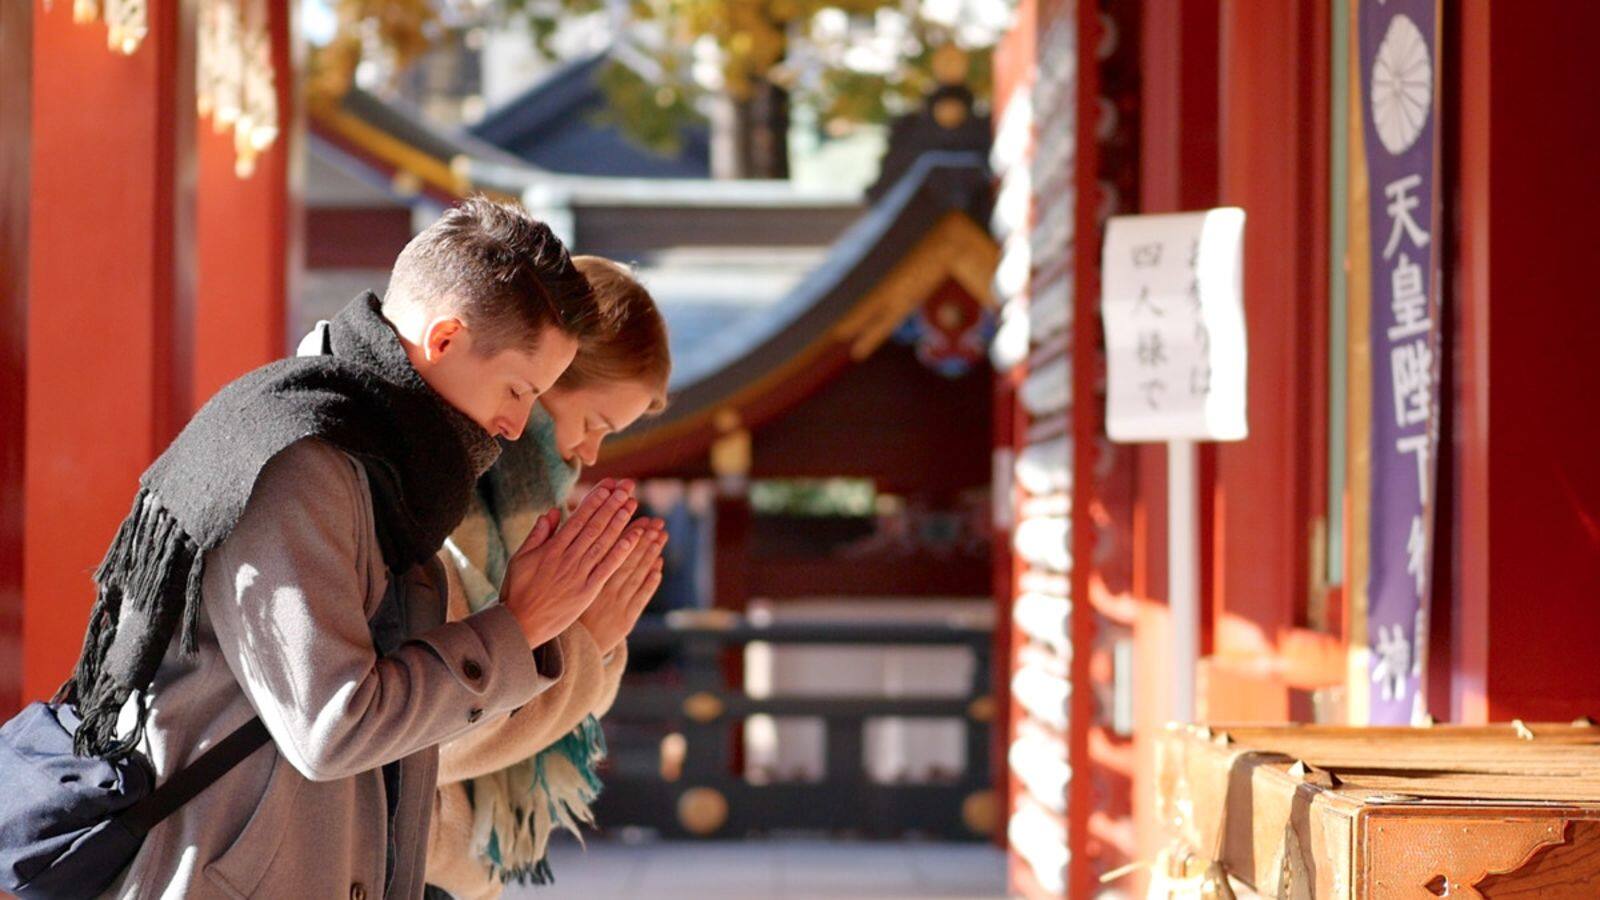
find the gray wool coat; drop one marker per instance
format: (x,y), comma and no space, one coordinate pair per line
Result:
(284,634)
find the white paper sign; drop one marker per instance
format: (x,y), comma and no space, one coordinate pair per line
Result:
(1174,318)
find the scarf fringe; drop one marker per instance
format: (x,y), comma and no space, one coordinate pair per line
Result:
(537,874)
(516,809)
(585,748)
(515,842)
(153,567)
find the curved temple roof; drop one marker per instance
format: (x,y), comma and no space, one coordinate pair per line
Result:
(927,229)
(447,165)
(923,232)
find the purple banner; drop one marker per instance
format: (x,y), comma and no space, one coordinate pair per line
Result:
(1399,70)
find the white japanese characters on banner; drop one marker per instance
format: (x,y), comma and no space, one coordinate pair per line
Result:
(1399,44)
(1174,321)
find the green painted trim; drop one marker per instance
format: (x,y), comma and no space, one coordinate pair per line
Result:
(1338,289)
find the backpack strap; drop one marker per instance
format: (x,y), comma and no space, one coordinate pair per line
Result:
(186,783)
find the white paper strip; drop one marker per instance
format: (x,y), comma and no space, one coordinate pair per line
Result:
(1043,695)
(1013,203)
(1046,467)
(1016,264)
(1044,618)
(1010,344)
(1014,137)
(1040,841)
(1050,306)
(1037,762)
(1046,388)
(1043,543)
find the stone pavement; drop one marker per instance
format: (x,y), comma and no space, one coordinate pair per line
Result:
(790,869)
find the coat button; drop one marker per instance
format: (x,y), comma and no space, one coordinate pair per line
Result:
(472,670)
(475,715)
(358,891)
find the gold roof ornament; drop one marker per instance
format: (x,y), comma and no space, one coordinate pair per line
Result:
(703,707)
(406,183)
(950,112)
(702,810)
(951,65)
(730,455)
(980,812)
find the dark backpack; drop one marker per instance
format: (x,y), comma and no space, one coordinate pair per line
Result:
(69,825)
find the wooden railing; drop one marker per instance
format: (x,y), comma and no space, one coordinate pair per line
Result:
(701,792)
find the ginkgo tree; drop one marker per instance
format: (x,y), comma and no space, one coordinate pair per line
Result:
(741,64)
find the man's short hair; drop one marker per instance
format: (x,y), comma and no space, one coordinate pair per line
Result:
(503,272)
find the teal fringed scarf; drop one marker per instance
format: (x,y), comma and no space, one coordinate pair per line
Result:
(516,809)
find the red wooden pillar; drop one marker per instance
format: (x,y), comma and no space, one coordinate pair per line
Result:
(16,106)
(1273,164)
(1178,109)
(1007,429)
(247,238)
(103,390)
(732,520)
(731,567)
(1086,430)
(1528,481)
(1178,172)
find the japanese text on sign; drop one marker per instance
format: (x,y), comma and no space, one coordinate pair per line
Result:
(1398,45)
(1174,319)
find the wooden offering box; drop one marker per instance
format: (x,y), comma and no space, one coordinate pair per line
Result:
(1379,813)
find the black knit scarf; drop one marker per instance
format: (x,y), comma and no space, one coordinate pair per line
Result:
(421,456)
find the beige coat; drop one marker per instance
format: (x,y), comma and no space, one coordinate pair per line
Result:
(588,684)
(284,634)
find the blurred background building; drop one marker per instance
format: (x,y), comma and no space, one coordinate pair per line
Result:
(915,594)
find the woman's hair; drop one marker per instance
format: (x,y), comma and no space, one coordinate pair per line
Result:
(629,341)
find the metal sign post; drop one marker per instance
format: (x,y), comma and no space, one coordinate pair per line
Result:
(1176,360)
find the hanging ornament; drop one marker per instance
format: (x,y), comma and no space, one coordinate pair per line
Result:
(127,21)
(235,84)
(127,24)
